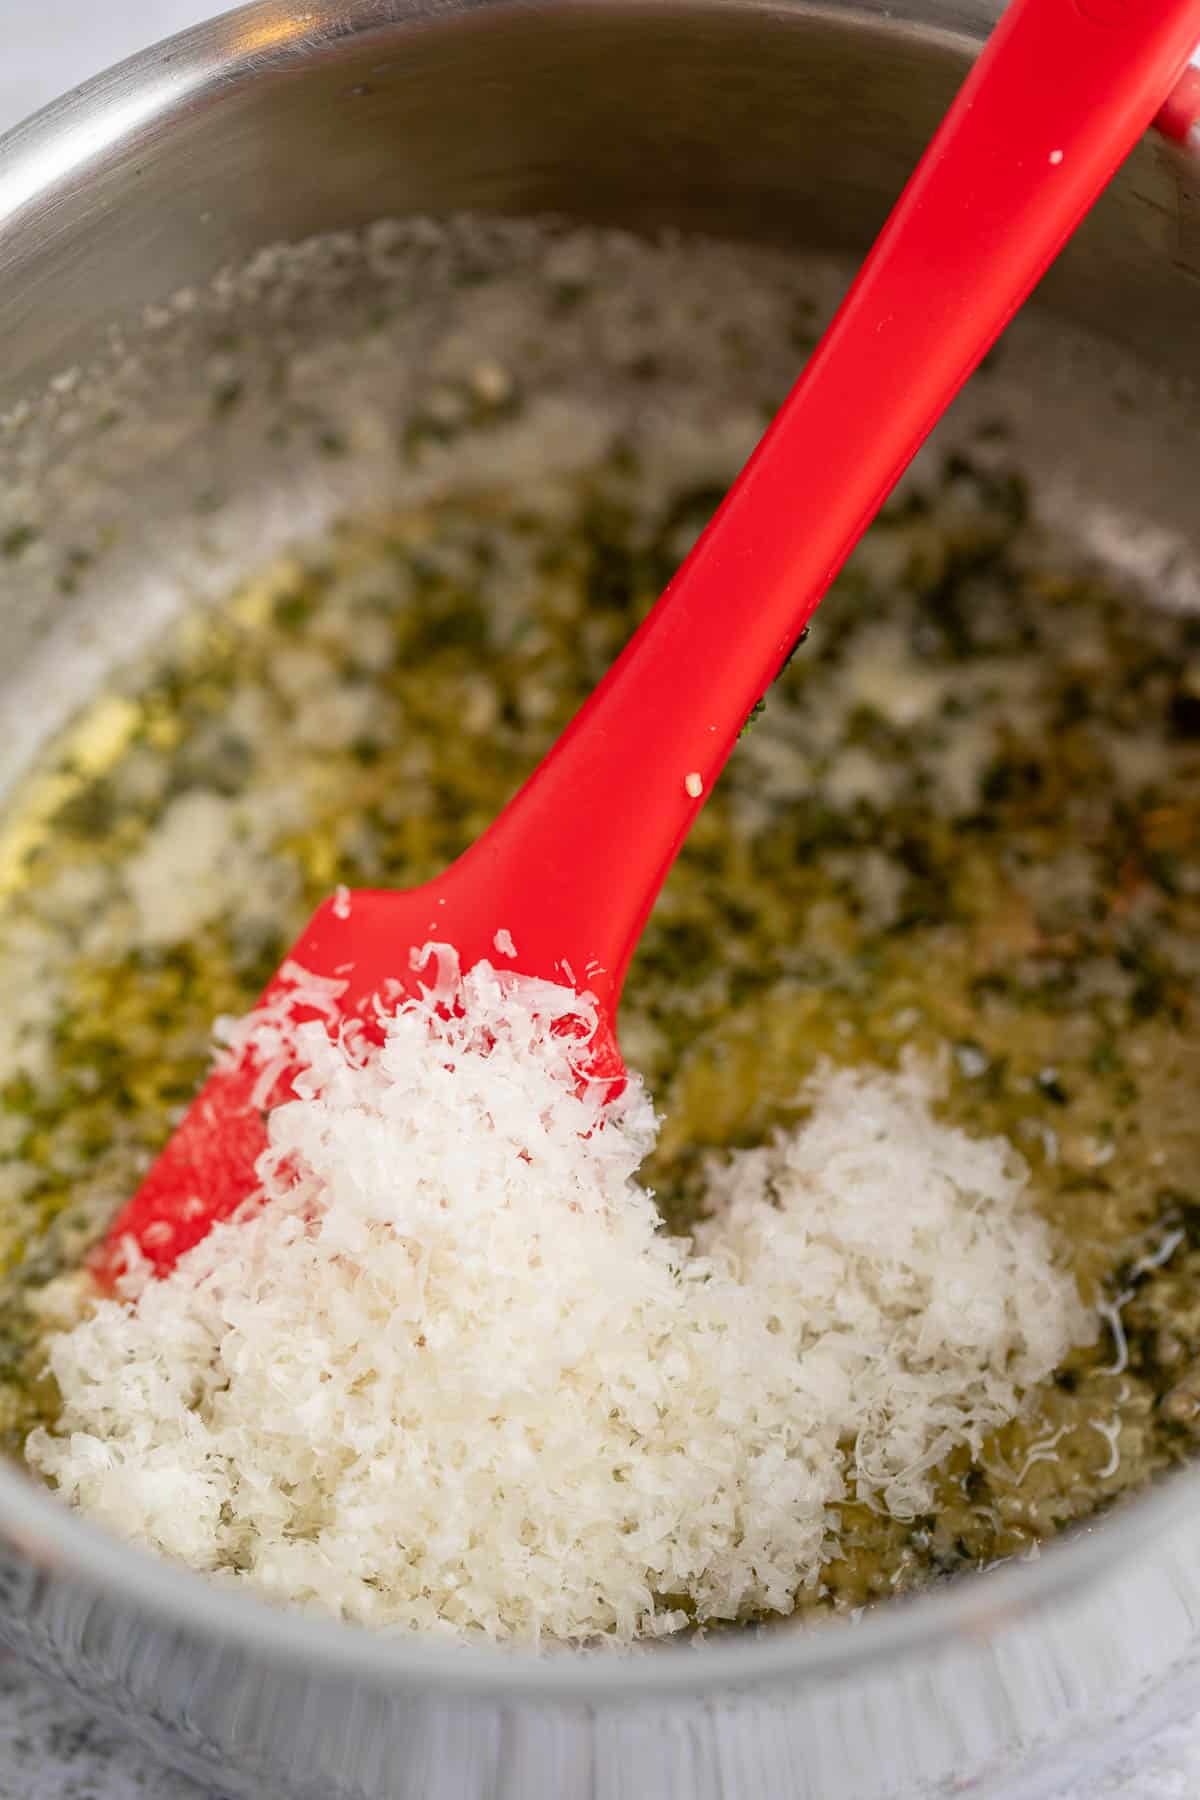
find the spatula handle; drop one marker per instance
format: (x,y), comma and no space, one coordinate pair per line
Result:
(1052,106)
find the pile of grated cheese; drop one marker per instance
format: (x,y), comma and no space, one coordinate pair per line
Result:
(455,1378)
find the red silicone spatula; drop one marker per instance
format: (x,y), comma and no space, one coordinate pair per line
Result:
(571,867)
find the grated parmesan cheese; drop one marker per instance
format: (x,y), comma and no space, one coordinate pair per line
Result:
(450,1375)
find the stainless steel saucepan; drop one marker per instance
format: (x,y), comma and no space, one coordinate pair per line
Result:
(215,199)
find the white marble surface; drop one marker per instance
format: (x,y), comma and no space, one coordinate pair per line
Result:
(49,1749)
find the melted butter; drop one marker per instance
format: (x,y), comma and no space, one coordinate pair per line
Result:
(968,821)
